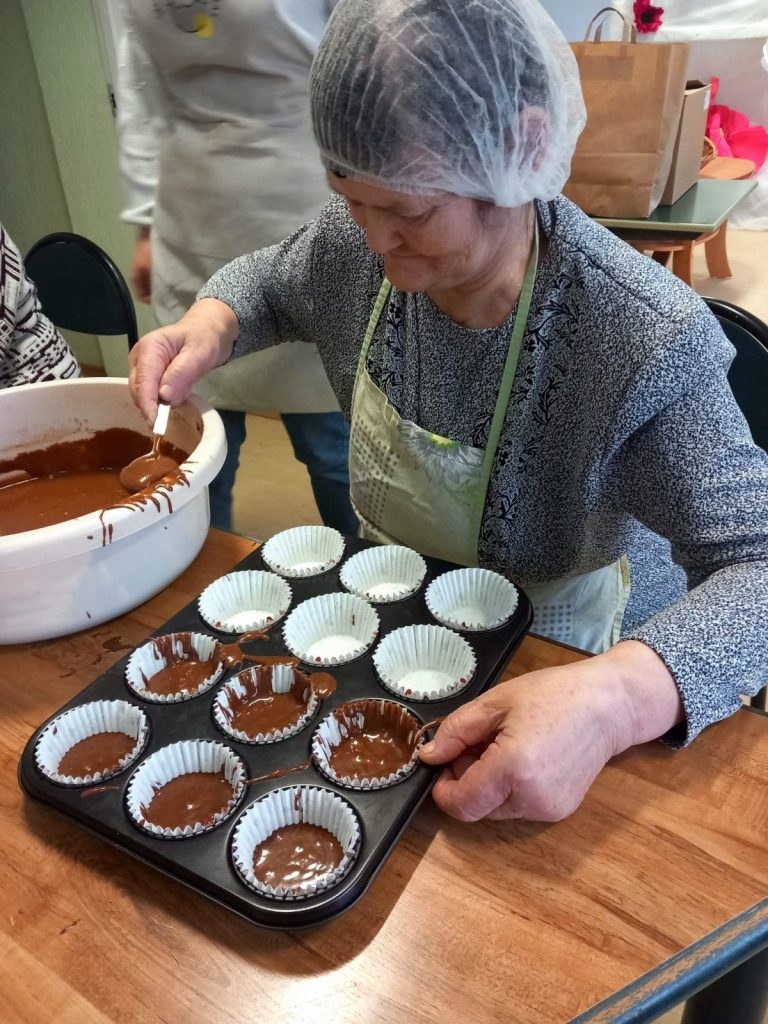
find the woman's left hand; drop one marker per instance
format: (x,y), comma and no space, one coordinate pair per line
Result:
(532,746)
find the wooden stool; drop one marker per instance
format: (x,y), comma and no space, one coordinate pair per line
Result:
(722,168)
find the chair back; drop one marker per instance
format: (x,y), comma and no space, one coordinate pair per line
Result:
(80,288)
(748,375)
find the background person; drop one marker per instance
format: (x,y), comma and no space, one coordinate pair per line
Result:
(31,349)
(218,159)
(526,392)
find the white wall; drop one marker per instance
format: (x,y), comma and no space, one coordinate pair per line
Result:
(571,16)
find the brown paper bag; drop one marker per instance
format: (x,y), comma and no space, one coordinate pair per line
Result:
(634,95)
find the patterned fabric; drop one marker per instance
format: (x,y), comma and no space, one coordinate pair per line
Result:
(622,435)
(31,349)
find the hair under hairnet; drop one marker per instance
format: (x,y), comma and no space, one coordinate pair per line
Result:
(476,97)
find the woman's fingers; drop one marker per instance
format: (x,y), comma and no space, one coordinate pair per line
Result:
(472,725)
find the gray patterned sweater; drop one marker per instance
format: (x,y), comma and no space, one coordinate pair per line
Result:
(621,437)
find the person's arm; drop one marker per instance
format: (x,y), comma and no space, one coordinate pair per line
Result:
(142,115)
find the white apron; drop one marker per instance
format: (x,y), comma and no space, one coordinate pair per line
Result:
(412,487)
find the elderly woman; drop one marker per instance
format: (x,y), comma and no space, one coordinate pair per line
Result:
(526,393)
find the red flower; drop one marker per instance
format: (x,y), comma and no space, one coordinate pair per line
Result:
(647,17)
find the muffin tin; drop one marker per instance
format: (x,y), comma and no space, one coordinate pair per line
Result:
(205,861)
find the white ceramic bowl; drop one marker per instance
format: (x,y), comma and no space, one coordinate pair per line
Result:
(73,575)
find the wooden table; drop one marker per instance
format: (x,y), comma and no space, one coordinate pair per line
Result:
(517,923)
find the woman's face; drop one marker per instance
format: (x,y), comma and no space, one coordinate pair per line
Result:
(429,243)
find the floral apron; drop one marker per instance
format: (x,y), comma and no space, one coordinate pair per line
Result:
(412,487)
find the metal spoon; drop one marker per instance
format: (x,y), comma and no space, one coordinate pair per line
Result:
(150,468)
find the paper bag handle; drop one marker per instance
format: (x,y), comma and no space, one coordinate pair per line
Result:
(628,34)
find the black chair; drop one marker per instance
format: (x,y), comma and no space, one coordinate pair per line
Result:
(748,377)
(80,288)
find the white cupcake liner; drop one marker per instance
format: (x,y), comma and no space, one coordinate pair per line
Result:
(173,648)
(331,629)
(263,679)
(471,599)
(244,601)
(424,663)
(303,551)
(183,758)
(384,574)
(348,720)
(77,724)
(293,806)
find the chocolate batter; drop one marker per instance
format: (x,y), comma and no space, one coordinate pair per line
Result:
(260,709)
(296,854)
(101,752)
(73,478)
(183,671)
(378,739)
(189,799)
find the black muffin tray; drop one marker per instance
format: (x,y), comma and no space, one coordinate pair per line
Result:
(203,861)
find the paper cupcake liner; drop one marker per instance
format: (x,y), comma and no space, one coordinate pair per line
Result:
(384,574)
(183,758)
(424,663)
(101,716)
(356,719)
(244,601)
(172,649)
(331,629)
(303,551)
(262,680)
(471,599)
(295,805)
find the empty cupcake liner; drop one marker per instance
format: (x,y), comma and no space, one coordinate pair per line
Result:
(303,551)
(380,719)
(165,652)
(183,758)
(384,574)
(330,629)
(296,805)
(82,722)
(261,680)
(471,599)
(424,663)
(244,601)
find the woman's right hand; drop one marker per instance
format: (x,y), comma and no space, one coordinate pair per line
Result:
(166,364)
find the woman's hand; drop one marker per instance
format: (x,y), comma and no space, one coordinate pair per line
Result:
(531,747)
(168,362)
(141,267)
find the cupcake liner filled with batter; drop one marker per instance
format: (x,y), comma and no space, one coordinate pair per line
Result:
(244,601)
(92,742)
(265,704)
(423,662)
(367,744)
(330,629)
(471,599)
(295,842)
(303,551)
(185,789)
(384,574)
(174,667)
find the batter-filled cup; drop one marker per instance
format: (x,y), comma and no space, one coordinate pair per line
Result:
(91,742)
(245,600)
(331,629)
(367,744)
(185,789)
(384,574)
(422,662)
(303,551)
(296,842)
(472,599)
(265,704)
(174,667)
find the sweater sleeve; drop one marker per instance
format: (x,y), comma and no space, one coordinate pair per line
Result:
(141,119)
(693,474)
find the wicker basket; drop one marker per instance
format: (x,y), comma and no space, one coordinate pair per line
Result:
(708,152)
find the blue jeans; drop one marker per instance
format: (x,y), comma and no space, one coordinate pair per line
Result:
(320,440)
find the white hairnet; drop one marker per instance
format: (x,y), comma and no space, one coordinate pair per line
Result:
(476,97)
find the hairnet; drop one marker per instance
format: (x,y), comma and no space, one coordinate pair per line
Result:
(476,97)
